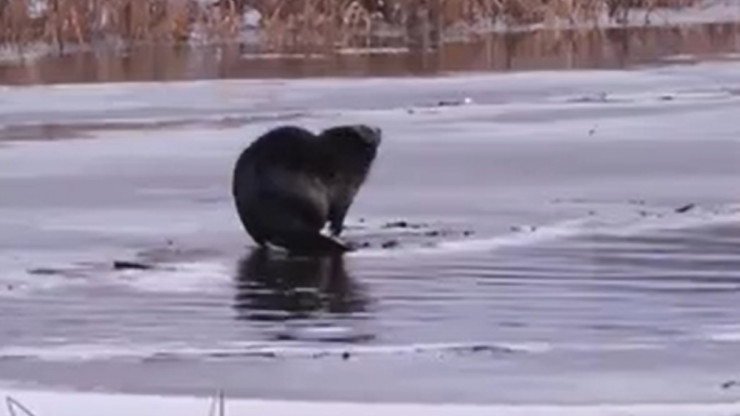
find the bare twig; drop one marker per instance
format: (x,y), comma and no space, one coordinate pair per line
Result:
(221,401)
(13,404)
(217,400)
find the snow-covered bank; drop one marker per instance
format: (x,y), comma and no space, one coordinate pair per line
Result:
(47,403)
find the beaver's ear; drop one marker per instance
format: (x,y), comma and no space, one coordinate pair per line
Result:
(369,134)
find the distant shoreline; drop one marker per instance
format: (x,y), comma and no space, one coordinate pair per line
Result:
(37,33)
(614,48)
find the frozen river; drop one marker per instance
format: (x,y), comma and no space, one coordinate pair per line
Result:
(566,238)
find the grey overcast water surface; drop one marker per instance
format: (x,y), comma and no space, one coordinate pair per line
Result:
(578,241)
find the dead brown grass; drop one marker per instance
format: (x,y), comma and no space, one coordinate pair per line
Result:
(288,24)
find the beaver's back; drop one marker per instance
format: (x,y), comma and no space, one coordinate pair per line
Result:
(282,162)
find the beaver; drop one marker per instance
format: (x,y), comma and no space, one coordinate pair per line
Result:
(290,182)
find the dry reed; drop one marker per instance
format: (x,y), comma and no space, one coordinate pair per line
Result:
(289,24)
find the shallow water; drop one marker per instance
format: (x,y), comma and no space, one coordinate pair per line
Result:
(571,238)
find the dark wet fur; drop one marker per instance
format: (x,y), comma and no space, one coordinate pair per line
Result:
(289,182)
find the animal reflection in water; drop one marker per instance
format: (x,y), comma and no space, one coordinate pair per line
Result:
(274,286)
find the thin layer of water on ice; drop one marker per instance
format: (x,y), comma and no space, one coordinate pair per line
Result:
(553,239)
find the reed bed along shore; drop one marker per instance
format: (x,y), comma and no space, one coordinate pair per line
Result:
(297,25)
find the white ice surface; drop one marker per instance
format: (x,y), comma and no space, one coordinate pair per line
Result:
(49,403)
(124,188)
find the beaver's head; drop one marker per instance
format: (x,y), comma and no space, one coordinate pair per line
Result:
(351,149)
